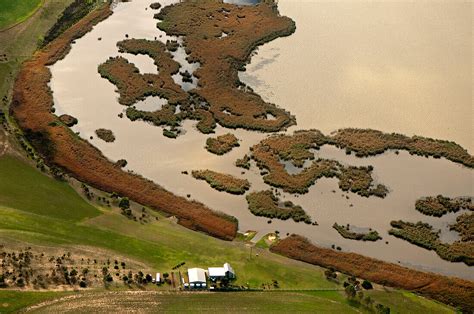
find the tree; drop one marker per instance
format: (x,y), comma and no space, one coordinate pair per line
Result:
(350,291)
(382,309)
(124,203)
(330,274)
(148,278)
(367,285)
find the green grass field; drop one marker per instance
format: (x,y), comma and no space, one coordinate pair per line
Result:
(20,42)
(28,217)
(32,191)
(15,11)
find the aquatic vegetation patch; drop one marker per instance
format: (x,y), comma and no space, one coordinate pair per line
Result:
(68,120)
(440,205)
(347,233)
(465,226)
(297,148)
(201,24)
(105,135)
(423,235)
(266,204)
(222,182)
(243,162)
(134,86)
(222,144)
(367,142)
(32,109)
(449,290)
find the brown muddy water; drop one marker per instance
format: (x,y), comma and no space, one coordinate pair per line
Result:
(79,91)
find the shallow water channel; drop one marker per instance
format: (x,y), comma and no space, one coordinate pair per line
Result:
(79,91)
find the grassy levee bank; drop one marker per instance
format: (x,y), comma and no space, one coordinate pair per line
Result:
(160,245)
(449,290)
(31,107)
(13,12)
(28,190)
(18,43)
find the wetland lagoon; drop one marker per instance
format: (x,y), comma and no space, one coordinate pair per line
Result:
(319,100)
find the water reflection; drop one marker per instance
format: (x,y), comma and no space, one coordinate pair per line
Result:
(162,160)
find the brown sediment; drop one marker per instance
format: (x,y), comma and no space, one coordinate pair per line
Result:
(440,205)
(347,233)
(367,142)
(449,290)
(222,144)
(201,24)
(31,107)
(271,152)
(423,235)
(222,182)
(266,204)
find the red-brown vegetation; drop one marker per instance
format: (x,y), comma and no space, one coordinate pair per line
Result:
(366,142)
(222,144)
(222,182)
(272,152)
(31,107)
(449,290)
(201,24)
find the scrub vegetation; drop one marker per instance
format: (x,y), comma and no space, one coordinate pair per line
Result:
(31,108)
(105,135)
(440,205)
(271,153)
(465,226)
(222,182)
(366,142)
(423,235)
(243,162)
(449,290)
(222,144)
(346,232)
(266,204)
(201,23)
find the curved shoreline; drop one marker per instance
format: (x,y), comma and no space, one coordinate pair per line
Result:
(31,107)
(64,132)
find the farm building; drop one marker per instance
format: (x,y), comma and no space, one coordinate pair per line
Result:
(221,273)
(197,278)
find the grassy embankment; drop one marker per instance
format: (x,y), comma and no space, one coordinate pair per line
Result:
(40,217)
(19,43)
(13,11)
